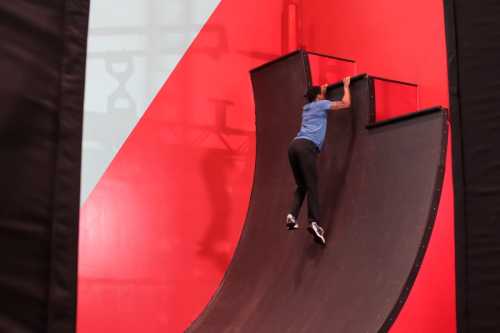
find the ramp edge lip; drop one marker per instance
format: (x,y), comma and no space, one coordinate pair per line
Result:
(330,56)
(300,50)
(404,83)
(408,116)
(354,78)
(438,186)
(366,75)
(280,58)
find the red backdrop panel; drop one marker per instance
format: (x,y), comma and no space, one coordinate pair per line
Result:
(400,40)
(404,41)
(159,230)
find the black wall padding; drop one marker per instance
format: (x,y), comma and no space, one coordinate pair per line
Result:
(42,69)
(473,38)
(379,189)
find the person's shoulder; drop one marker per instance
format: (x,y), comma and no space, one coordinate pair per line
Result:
(324,104)
(308,105)
(318,105)
(312,104)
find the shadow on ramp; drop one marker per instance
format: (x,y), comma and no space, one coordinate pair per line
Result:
(379,189)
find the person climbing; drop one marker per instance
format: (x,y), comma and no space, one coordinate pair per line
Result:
(303,154)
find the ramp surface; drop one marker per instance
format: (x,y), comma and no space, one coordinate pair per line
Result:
(379,191)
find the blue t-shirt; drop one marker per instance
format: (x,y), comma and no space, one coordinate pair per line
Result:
(314,120)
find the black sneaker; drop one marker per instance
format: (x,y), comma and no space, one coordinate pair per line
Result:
(317,232)
(291,223)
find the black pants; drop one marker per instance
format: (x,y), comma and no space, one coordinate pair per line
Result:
(303,154)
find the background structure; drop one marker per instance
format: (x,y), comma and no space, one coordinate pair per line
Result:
(169,150)
(173,173)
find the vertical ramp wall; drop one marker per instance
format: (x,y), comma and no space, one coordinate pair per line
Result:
(380,189)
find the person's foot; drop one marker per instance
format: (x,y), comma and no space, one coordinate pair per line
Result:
(291,223)
(317,232)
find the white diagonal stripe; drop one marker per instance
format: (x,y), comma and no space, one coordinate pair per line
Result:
(133,47)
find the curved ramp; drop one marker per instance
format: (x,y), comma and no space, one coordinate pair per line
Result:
(380,187)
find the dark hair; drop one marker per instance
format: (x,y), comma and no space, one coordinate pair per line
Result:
(312,92)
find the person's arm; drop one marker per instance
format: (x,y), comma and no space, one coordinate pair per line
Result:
(323,90)
(346,100)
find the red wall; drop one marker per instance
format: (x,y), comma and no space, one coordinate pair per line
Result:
(159,229)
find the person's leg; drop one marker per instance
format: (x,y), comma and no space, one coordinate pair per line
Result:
(308,157)
(309,163)
(295,164)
